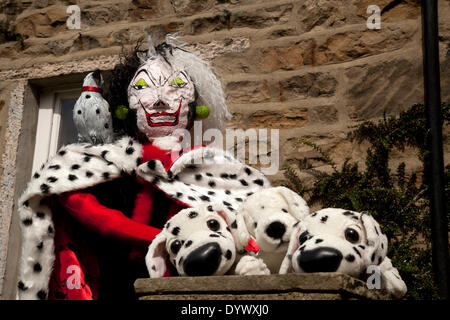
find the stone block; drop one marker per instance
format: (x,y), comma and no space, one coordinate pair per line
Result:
(317,84)
(392,84)
(254,19)
(276,119)
(288,57)
(324,14)
(43,23)
(391,11)
(248,91)
(307,286)
(326,114)
(350,45)
(143,9)
(190,7)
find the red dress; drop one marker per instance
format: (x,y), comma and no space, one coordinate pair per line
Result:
(76,274)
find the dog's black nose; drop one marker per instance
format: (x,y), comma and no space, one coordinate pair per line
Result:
(203,261)
(320,260)
(276,230)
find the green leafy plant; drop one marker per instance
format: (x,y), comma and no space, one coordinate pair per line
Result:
(397,200)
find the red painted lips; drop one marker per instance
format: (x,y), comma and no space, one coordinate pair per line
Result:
(159,119)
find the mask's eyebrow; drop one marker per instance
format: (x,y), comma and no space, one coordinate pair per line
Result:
(148,75)
(175,73)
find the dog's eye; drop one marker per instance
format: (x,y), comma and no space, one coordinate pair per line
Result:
(303,237)
(175,246)
(351,235)
(213,224)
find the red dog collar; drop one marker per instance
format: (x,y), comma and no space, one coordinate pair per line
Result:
(88,88)
(252,246)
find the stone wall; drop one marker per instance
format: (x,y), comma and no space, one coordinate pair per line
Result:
(309,68)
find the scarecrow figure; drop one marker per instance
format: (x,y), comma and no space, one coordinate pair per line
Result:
(90,213)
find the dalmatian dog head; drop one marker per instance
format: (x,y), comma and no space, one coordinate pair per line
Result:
(335,240)
(200,241)
(270,215)
(338,240)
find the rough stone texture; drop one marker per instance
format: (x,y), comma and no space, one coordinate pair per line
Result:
(8,177)
(309,68)
(381,85)
(309,286)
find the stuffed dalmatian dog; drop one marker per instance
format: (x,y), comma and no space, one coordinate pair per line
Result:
(270,215)
(338,240)
(202,241)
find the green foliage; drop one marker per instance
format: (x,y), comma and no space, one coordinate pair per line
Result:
(398,201)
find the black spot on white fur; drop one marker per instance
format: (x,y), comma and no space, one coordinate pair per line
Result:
(37,267)
(22,286)
(175,231)
(350,258)
(41,295)
(259,182)
(151,164)
(192,214)
(357,251)
(44,188)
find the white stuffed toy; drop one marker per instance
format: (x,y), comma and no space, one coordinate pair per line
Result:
(270,215)
(338,240)
(204,240)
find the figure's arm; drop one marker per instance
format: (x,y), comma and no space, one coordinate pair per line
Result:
(111,223)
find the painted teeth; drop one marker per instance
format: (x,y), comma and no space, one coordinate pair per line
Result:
(163,119)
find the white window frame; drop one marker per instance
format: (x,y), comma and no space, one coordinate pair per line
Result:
(49,122)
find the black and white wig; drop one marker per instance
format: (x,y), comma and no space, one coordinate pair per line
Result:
(208,87)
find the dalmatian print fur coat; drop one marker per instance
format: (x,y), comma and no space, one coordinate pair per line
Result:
(201,176)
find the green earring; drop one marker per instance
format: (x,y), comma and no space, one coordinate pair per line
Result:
(201,112)
(121,112)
